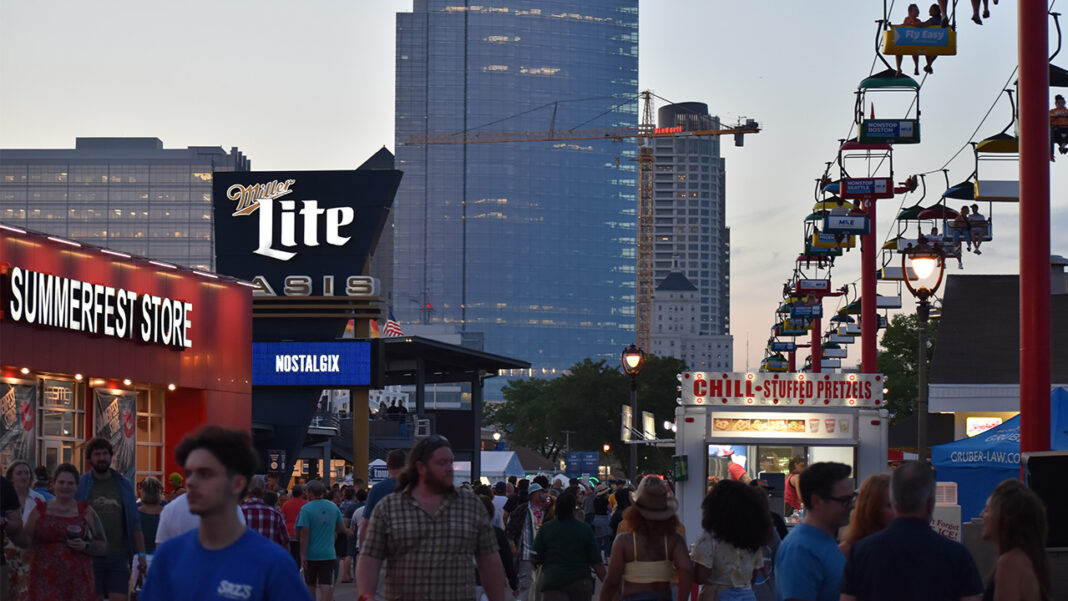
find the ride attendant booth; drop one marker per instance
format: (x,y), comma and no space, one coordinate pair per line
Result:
(94,342)
(761,420)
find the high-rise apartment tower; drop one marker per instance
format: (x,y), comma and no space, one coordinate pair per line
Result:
(690,233)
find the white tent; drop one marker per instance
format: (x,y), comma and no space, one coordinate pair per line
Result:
(496,465)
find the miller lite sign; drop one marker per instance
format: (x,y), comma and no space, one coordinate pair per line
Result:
(301,233)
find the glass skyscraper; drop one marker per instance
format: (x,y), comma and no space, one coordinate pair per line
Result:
(531,243)
(126,194)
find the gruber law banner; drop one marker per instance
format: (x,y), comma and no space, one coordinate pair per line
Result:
(781,389)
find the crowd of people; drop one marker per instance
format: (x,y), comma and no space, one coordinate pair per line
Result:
(416,535)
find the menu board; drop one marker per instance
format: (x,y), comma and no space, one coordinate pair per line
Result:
(749,425)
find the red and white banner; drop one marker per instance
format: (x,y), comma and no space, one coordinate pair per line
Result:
(781,389)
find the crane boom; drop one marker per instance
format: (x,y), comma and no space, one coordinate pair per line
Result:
(564,135)
(646,129)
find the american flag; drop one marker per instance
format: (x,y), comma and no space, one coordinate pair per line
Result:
(393,328)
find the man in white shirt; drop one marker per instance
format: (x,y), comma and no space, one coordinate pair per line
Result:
(176,519)
(499,500)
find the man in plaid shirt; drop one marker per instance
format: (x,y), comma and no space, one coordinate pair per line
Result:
(263,518)
(428,532)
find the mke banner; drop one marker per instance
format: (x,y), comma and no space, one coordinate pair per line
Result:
(115,419)
(18,420)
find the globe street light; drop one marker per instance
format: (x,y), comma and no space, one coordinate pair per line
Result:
(923,260)
(633,360)
(496,436)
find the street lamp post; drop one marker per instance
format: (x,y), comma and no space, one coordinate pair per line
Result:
(923,261)
(633,360)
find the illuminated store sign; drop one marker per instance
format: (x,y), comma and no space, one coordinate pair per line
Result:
(301,233)
(311,364)
(803,389)
(52,301)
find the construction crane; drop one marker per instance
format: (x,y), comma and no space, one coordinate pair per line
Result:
(645,131)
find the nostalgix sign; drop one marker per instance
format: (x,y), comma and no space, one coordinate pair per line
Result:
(301,233)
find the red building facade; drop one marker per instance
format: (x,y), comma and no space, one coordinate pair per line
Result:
(96,342)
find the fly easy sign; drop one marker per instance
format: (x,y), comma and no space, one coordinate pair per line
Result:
(781,389)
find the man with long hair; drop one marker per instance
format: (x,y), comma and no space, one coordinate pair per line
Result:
(223,558)
(909,560)
(427,523)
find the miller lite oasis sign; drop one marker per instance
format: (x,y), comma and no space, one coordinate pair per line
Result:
(301,233)
(803,390)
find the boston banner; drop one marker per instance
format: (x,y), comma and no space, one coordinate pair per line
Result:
(115,420)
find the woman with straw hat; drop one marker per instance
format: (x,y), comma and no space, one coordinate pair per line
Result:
(649,556)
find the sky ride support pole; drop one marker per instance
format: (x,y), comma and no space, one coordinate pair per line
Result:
(1035,357)
(793,362)
(817,348)
(869,330)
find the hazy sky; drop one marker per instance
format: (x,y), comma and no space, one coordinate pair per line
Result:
(309,85)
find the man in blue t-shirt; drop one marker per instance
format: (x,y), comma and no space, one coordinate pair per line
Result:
(394,465)
(909,560)
(222,560)
(317,523)
(808,565)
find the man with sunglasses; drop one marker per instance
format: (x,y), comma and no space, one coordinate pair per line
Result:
(808,564)
(428,531)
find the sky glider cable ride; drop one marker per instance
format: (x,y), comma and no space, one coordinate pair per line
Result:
(1058,116)
(899,129)
(919,39)
(997,150)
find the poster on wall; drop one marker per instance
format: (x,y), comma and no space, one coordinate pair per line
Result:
(115,419)
(18,418)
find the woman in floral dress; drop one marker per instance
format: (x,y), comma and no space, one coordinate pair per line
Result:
(64,533)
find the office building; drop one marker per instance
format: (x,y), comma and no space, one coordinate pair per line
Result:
(532,243)
(126,194)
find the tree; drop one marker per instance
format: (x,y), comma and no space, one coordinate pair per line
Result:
(899,361)
(587,401)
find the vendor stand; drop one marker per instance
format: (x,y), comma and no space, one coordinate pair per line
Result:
(761,420)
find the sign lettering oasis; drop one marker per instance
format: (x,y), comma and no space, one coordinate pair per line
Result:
(301,233)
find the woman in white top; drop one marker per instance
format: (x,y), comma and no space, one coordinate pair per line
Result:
(730,550)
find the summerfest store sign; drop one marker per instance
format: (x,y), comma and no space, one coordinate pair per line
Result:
(781,389)
(52,301)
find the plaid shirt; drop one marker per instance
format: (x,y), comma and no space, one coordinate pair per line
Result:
(429,556)
(266,520)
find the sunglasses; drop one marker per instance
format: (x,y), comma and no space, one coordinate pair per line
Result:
(845,499)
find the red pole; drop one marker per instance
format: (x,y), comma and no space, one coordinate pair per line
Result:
(817,348)
(793,361)
(1034,227)
(868,319)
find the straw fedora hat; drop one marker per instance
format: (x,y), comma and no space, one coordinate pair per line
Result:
(652,499)
(602,489)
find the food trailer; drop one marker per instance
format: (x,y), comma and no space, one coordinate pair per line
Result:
(760,420)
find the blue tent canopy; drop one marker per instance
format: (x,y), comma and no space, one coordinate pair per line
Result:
(979,463)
